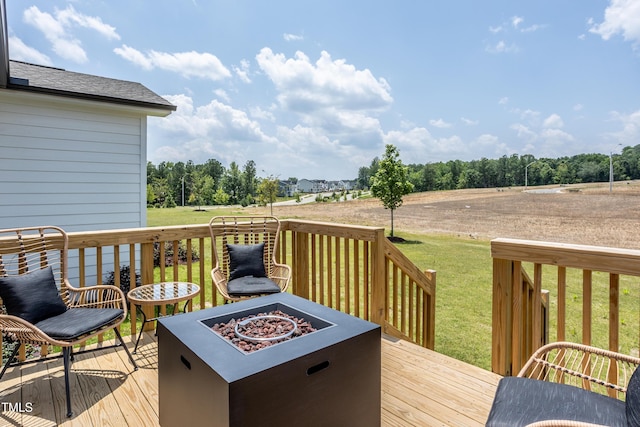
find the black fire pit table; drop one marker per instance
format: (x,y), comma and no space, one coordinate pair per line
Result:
(329,377)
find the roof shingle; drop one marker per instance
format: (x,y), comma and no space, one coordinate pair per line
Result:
(39,78)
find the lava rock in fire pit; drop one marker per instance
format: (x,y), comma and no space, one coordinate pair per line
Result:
(262,330)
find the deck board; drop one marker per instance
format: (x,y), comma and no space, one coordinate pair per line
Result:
(419,388)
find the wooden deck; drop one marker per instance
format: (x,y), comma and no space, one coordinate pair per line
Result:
(419,388)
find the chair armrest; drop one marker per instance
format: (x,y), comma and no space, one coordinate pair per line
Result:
(220,280)
(27,333)
(281,274)
(602,371)
(217,276)
(98,296)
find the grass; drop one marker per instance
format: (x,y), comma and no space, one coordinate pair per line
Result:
(463,293)
(464,289)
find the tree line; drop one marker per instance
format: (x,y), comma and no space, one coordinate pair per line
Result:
(514,170)
(172,184)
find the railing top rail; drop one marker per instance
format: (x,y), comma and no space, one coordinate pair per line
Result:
(595,258)
(126,236)
(349,231)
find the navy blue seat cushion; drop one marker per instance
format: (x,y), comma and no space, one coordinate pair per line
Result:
(32,296)
(246,260)
(521,401)
(250,285)
(633,400)
(77,322)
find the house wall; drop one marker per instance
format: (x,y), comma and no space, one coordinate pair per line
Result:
(77,164)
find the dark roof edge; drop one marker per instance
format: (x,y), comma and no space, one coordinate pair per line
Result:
(90,97)
(4,45)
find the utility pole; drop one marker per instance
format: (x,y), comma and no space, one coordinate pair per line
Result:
(526,178)
(611,168)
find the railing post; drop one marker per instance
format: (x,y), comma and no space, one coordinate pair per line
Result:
(501,337)
(301,265)
(378,280)
(430,330)
(146,275)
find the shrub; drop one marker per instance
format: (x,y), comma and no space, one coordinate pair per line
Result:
(125,279)
(168,254)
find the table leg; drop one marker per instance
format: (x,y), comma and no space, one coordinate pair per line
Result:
(144,320)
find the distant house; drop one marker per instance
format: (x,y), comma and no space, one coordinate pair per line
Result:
(287,188)
(72,146)
(312,186)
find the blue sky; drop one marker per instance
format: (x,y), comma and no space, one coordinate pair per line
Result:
(315,89)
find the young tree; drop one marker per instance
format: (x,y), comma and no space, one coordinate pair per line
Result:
(391,181)
(202,189)
(267,191)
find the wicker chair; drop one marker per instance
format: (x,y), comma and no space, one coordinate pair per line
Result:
(231,235)
(41,306)
(572,385)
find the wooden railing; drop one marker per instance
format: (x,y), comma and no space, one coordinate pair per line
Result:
(519,306)
(358,271)
(353,269)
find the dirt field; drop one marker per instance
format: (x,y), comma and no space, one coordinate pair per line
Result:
(581,214)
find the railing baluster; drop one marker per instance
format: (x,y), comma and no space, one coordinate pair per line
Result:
(347,279)
(587,301)
(562,303)
(356,277)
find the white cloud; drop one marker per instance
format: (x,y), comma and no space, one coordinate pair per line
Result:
(578,107)
(556,135)
(134,56)
(503,101)
(553,121)
(524,132)
(222,94)
(439,123)
(22,52)
(261,114)
(305,87)
(187,64)
(417,145)
(59,30)
(68,17)
(620,17)
(469,122)
(531,116)
(412,141)
(502,47)
(630,131)
(215,130)
(292,37)
(516,21)
(243,71)
(532,28)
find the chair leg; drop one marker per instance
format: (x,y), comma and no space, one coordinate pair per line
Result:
(66,353)
(122,343)
(10,359)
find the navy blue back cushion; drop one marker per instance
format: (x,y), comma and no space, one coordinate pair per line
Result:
(32,296)
(246,260)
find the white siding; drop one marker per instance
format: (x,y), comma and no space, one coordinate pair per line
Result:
(80,165)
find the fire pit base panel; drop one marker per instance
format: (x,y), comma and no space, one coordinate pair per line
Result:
(328,377)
